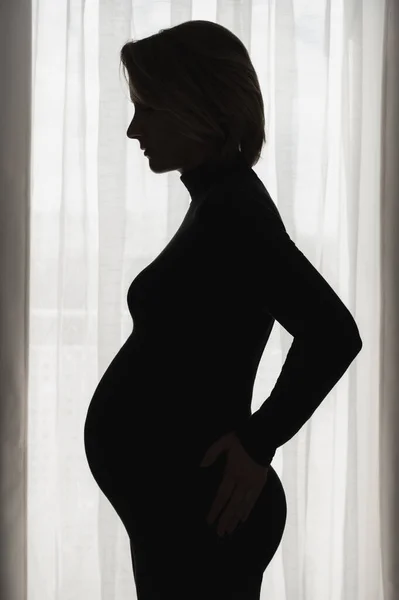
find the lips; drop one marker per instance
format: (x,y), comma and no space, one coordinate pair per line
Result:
(145,150)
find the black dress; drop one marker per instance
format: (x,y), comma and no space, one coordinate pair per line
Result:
(202,313)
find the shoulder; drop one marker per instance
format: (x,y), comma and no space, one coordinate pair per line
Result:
(242,202)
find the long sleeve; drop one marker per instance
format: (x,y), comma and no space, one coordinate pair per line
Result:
(311,369)
(278,276)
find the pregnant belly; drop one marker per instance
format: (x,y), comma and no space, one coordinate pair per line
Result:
(145,419)
(138,432)
(134,455)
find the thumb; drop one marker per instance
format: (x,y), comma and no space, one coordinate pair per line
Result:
(213,452)
(208,459)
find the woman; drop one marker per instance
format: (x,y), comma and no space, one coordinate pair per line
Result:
(178,393)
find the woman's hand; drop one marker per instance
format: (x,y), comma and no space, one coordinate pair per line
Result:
(241,486)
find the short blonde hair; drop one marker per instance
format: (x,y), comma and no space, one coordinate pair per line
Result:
(202,73)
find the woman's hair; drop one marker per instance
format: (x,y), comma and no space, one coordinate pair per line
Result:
(202,73)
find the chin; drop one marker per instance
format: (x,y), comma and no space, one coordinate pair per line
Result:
(161,166)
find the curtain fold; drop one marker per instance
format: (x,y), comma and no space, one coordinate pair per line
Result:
(15,210)
(386,398)
(81,215)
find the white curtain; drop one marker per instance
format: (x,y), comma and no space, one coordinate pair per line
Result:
(90,215)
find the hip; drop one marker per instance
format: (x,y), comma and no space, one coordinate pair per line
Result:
(178,512)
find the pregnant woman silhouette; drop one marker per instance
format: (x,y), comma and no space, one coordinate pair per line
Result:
(180,389)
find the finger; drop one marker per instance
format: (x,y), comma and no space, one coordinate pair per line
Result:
(232,514)
(248,506)
(224,492)
(246,513)
(228,523)
(228,526)
(233,524)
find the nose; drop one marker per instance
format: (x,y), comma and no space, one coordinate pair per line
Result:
(133,132)
(135,136)
(130,133)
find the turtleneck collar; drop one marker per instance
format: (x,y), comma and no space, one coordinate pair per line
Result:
(203,177)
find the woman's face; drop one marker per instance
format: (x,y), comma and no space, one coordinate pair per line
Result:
(158,132)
